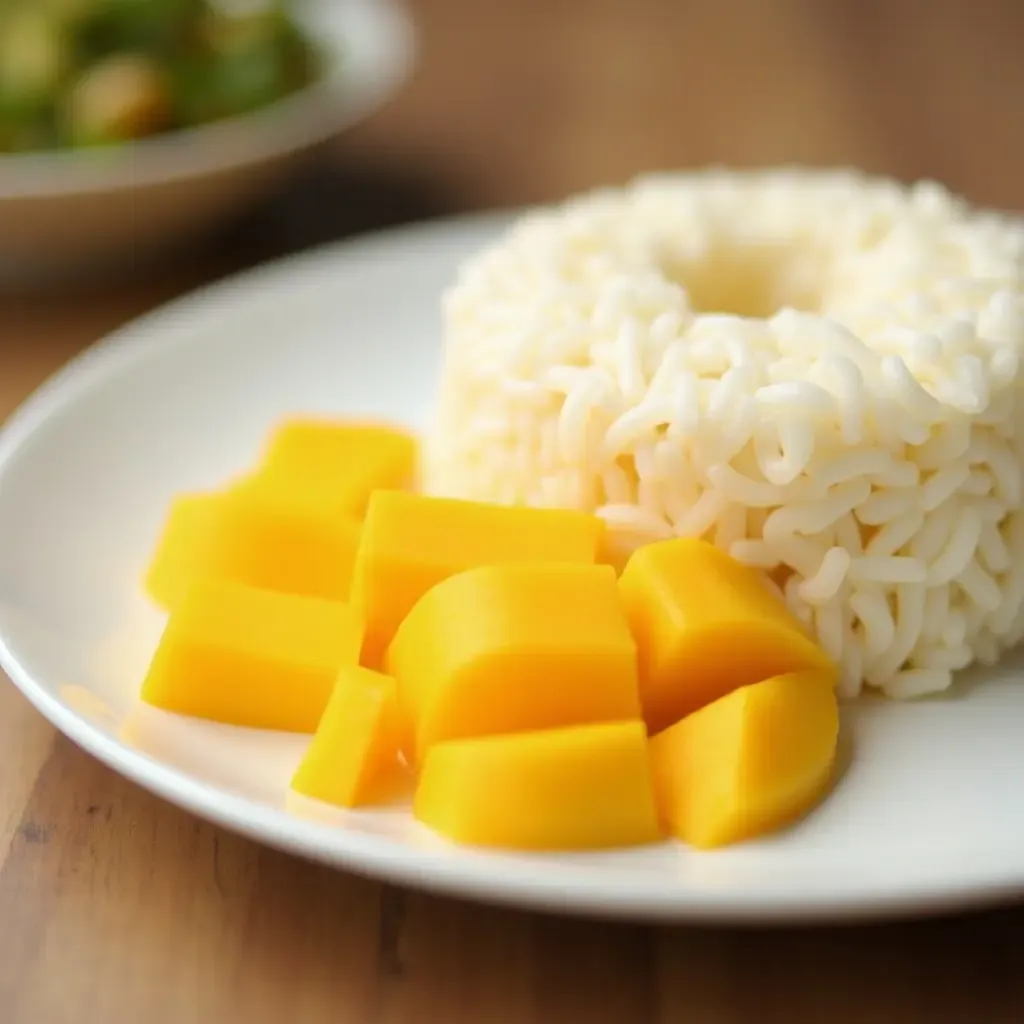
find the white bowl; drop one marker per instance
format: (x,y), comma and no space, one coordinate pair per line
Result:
(71,212)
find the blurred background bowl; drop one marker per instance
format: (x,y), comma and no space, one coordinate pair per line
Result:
(78,214)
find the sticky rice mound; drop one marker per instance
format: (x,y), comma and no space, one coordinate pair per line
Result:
(818,372)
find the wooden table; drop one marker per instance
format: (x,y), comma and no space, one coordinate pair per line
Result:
(116,908)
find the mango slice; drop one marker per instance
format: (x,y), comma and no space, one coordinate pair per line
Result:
(411,542)
(263,538)
(749,763)
(354,757)
(584,787)
(337,465)
(235,654)
(513,648)
(705,625)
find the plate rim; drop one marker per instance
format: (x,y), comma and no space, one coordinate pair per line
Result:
(515,881)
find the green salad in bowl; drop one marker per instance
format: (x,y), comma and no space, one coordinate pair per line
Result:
(129,128)
(84,73)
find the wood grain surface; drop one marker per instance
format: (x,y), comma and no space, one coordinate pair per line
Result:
(116,907)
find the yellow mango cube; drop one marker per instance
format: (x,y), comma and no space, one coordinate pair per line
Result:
(263,538)
(748,763)
(512,648)
(182,548)
(411,542)
(235,654)
(354,757)
(578,788)
(337,464)
(704,625)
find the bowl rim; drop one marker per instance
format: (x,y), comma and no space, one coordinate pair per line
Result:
(371,48)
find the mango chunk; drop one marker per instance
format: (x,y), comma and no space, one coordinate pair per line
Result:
(749,763)
(583,787)
(265,539)
(704,625)
(235,654)
(337,465)
(411,542)
(182,548)
(354,755)
(513,648)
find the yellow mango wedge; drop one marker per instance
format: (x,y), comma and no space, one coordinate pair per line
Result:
(354,757)
(336,464)
(704,625)
(263,538)
(749,763)
(513,648)
(243,656)
(584,787)
(411,542)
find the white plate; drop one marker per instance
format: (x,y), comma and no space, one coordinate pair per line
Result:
(928,814)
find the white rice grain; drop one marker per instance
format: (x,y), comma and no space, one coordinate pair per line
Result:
(825,583)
